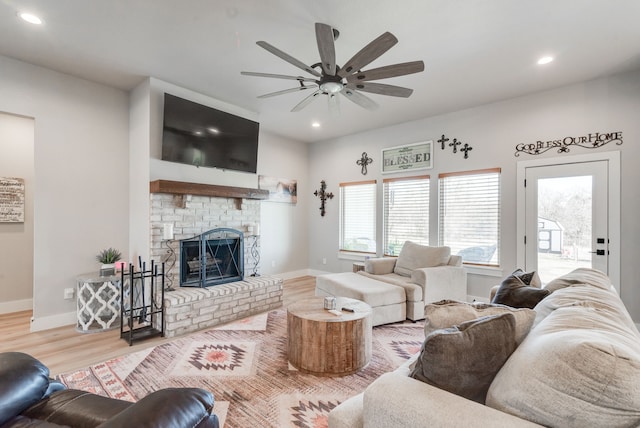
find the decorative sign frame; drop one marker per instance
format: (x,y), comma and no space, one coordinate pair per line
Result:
(11,200)
(407,158)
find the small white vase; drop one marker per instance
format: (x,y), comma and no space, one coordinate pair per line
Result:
(108,269)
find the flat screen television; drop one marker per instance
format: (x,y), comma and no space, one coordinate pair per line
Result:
(198,135)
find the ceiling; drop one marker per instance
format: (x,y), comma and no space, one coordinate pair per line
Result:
(475,51)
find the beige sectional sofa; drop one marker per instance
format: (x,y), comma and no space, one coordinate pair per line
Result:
(579,366)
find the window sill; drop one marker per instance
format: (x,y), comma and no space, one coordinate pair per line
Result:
(484,270)
(351,255)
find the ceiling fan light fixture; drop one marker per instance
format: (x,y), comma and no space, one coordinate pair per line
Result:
(334,80)
(331,87)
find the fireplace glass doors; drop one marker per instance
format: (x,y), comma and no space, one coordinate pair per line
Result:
(213,258)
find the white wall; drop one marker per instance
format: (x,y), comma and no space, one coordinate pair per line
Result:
(81,180)
(602,105)
(285,227)
(16,239)
(139,204)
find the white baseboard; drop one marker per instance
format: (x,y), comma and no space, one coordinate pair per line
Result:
(53,321)
(16,306)
(292,274)
(299,273)
(314,272)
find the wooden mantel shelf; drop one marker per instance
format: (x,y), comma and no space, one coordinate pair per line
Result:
(184,188)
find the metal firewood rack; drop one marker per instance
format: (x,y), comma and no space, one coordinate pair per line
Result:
(142,302)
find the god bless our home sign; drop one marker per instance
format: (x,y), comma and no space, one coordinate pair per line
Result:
(408,157)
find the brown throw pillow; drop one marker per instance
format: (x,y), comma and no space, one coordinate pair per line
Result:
(464,359)
(513,292)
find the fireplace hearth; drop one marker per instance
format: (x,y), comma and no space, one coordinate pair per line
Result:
(212,258)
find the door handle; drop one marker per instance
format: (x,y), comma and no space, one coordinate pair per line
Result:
(598,252)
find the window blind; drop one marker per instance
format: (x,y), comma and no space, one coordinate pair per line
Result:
(358,216)
(405,212)
(469,220)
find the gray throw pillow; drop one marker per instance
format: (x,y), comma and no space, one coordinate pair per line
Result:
(528,278)
(464,359)
(513,292)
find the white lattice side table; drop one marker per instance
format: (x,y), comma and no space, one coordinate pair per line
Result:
(98,302)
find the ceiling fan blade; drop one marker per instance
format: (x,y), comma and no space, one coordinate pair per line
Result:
(387,71)
(326,47)
(302,104)
(291,60)
(360,99)
(381,89)
(286,91)
(277,76)
(368,54)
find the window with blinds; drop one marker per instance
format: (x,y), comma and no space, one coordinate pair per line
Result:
(405,212)
(469,220)
(358,216)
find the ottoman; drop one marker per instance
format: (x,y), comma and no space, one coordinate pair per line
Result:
(388,301)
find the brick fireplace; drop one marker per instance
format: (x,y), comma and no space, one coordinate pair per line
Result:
(192,209)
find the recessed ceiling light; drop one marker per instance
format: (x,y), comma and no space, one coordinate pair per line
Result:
(545,60)
(30,18)
(316,124)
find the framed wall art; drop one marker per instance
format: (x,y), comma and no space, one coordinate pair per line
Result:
(409,157)
(11,200)
(280,189)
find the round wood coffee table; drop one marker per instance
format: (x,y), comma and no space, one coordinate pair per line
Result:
(325,344)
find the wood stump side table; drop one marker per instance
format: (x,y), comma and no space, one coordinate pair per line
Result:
(325,344)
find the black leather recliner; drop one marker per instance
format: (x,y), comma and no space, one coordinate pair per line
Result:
(29,398)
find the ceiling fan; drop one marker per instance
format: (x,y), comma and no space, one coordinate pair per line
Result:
(349,80)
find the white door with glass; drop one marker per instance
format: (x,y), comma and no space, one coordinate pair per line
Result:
(567,218)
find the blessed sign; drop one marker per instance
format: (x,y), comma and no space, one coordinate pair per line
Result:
(410,157)
(11,200)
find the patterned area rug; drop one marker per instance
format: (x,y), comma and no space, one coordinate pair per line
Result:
(244,364)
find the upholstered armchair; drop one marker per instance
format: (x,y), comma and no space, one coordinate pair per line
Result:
(428,274)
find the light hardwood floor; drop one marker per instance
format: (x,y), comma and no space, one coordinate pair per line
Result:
(63,349)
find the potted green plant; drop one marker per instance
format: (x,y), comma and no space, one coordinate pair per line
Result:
(108,258)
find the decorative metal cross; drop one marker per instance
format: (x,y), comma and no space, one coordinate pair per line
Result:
(442,141)
(466,148)
(455,143)
(323,196)
(363,162)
